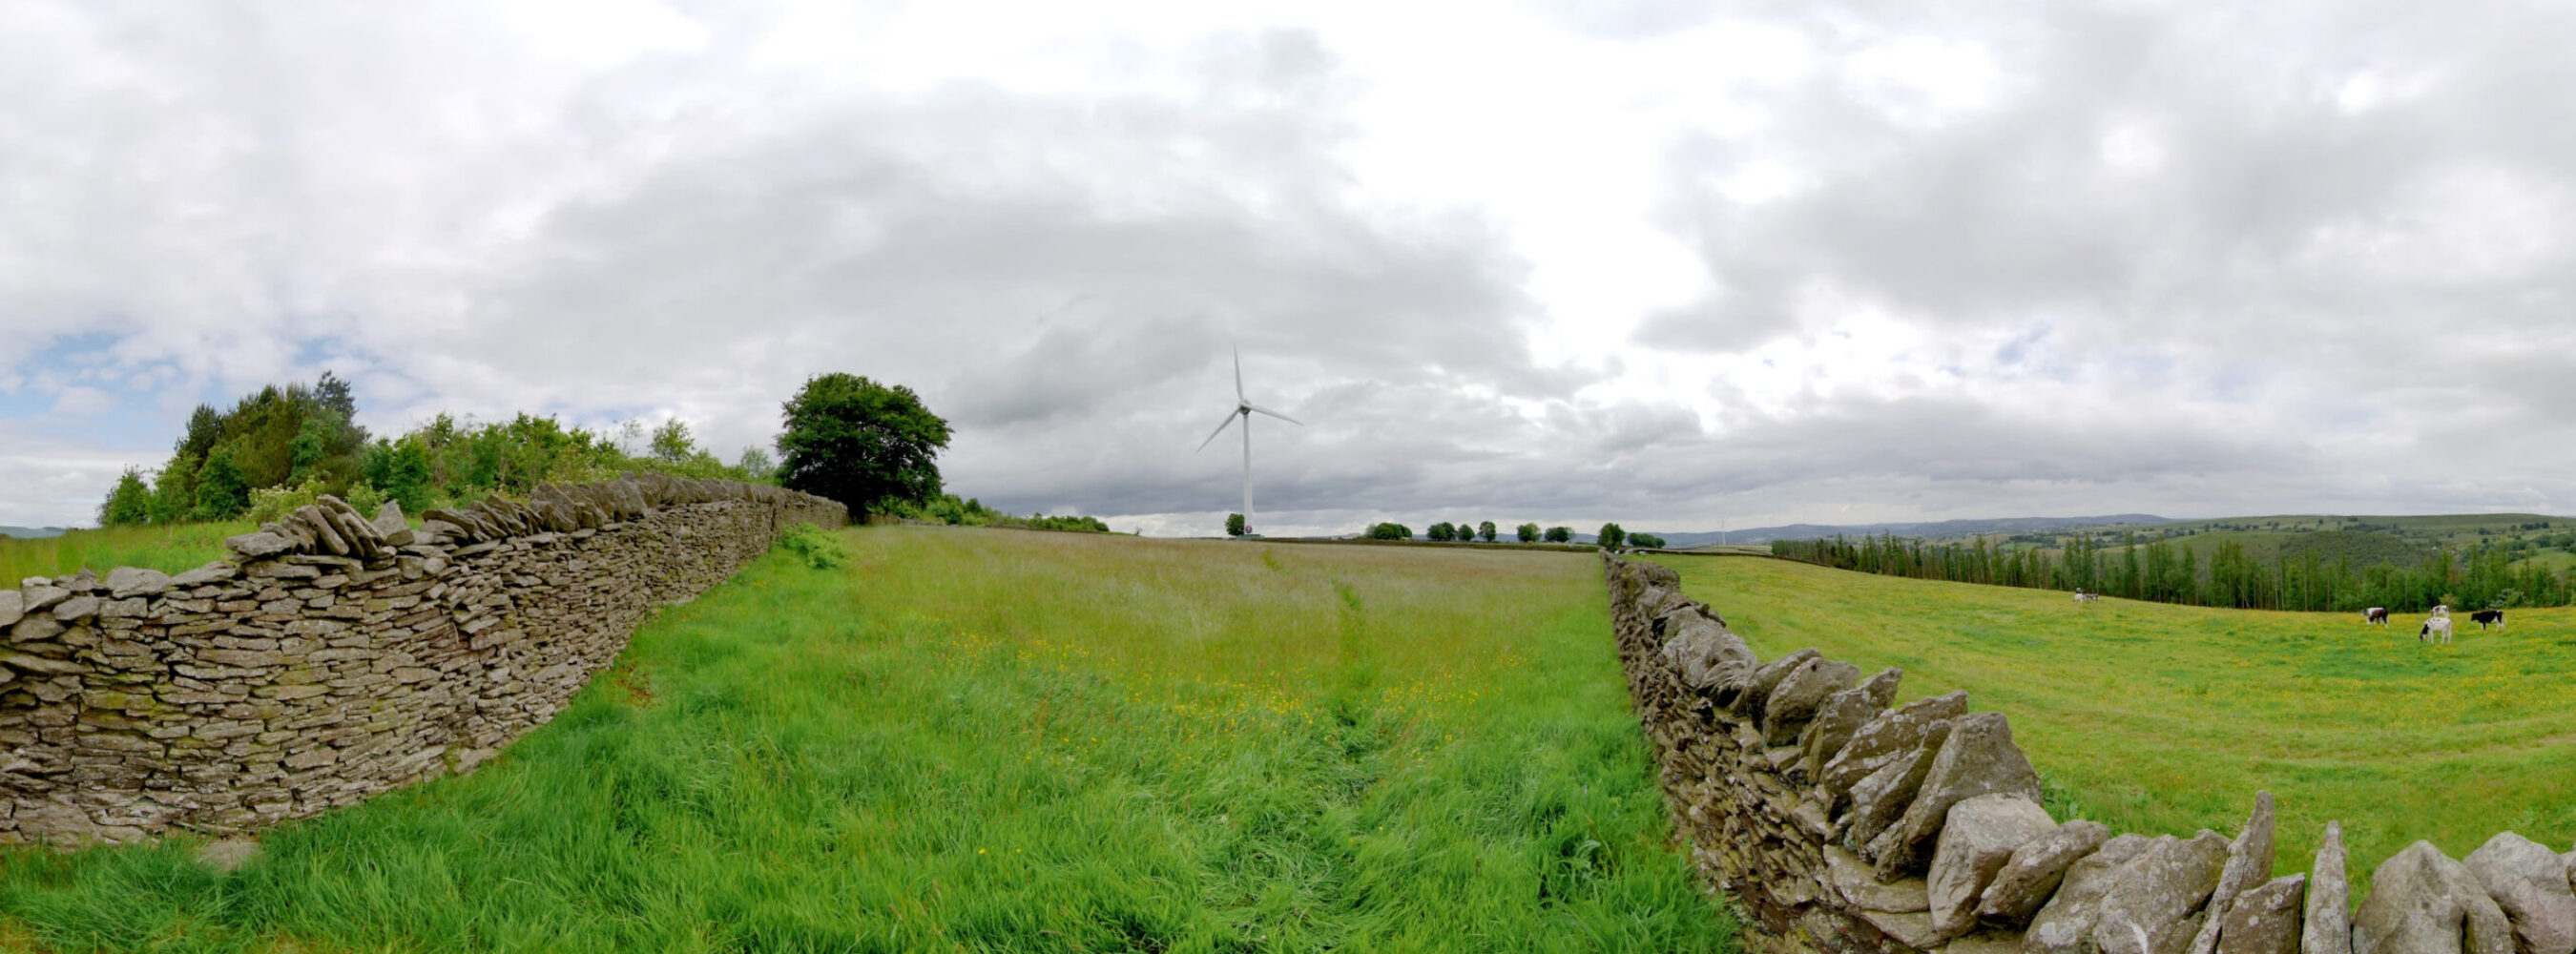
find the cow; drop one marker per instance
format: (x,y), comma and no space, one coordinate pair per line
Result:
(2084,597)
(2486,617)
(2375,614)
(2436,629)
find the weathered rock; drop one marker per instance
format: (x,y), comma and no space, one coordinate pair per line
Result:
(1757,687)
(2264,919)
(2529,882)
(390,525)
(2065,924)
(37,594)
(2150,911)
(76,608)
(1913,930)
(2249,864)
(2422,902)
(1705,654)
(1851,878)
(125,582)
(12,607)
(1792,704)
(2035,869)
(1892,735)
(1978,758)
(1879,801)
(215,572)
(1977,839)
(2329,920)
(1842,714)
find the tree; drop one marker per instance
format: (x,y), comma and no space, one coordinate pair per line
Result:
(757,466)
(1646,541)
(1528,532)
(672,443)
(1234,525)
(1485,531)
(222,492)
(1444,531)
(1612,536)
(128,504)
(1560,534)
(861,443)
(1390,531)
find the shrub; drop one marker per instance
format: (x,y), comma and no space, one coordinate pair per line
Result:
(274,503)
(815,545)
(1390,531)
(1444,531)
(1560,534)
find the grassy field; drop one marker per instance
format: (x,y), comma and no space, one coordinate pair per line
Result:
(2156,718)
(172,549)
(978,740)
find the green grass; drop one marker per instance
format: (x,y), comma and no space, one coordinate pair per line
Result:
(171,549)
(969,740)
(2156,718)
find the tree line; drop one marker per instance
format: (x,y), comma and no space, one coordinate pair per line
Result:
(1611,536)
(2167,571)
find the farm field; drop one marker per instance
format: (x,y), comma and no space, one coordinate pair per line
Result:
(988,740)
(2158,718)
(172,549)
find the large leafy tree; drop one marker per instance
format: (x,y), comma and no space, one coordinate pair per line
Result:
(861,443)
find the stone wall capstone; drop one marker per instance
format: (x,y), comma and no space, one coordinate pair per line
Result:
(340,655)
(1843,826)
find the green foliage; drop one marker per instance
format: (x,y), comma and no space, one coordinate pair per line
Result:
(174,493)
(223,492)
(274,503)
(1234,525)
(757,466)
(1612,536)
(1646,541)
(970,512)
(1485,531)
(819,548)
(128,504)
(1560,534)
(365,499)
(1528,532)
(866,445)
(1444,531)
(1390,531)
(401,470)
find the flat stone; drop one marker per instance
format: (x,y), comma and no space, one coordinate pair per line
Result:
(76,608)
(12,607)
(2264,919)
(1879,801)
(255,546)
(1793,703)
(2422,902)
(1913,930)
(126,581)
(37,664)
(1852,878)
(215,572)
(1757,687)
(2035,870)
(2249,864)
(2329,918)
(2529,882)
(2150,910)
(1977,839)
(1891,735)
(1979,758)
(39,595)
(1842,714)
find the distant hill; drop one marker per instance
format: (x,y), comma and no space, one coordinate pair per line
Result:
(1933,530)
(31,532)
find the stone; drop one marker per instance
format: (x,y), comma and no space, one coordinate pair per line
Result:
(253,546)
(1890,736)
(2150,910)
(388,519)
(1879,801)
(2264,919)
(2249,864)
(1852,878)
(1977,839)
(326,536)
(24,662)
(2422,902)
(38,595)
(215,572)
(2035,870)
(2329,920)
(1757,687)
(1912,930)
(75,608)
(1793,703)
(12,607)
(2529,882)
(1705,655)
(2065,924)
(125,581)
(1842,714)
(1978,758)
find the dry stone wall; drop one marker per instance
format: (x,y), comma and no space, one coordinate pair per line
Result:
(1845,826)
(338,656)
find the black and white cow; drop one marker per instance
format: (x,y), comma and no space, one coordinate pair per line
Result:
(2436,630)
(2485,618)
(2375,614)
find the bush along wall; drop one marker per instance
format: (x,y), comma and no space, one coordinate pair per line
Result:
(1843,825)
(337,655)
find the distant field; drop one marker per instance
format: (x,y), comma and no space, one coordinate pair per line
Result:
(2157,718)
(986,740)
(171,549)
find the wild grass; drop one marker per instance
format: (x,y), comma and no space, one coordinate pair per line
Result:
(992,741)
(172,549)
(2158,718)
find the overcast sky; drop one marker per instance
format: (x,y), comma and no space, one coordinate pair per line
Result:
(1673,264)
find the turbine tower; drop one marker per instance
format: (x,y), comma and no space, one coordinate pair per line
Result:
(1244,408)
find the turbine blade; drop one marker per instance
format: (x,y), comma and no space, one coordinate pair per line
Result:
(1220,429)
(1238,375)
(1276,414)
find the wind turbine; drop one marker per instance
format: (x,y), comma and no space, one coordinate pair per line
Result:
(1244,408)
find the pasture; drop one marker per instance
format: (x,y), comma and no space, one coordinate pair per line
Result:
(2158,718)
(988,740)
(171,549)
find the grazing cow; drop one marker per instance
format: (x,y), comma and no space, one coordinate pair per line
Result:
(2375,614)
(2484,618)
(2084,597)
(2436,629)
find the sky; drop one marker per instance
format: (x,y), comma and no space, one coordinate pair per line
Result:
(1680,265)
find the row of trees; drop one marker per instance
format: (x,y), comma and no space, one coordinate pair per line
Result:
(2483,575)
(1611,536)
